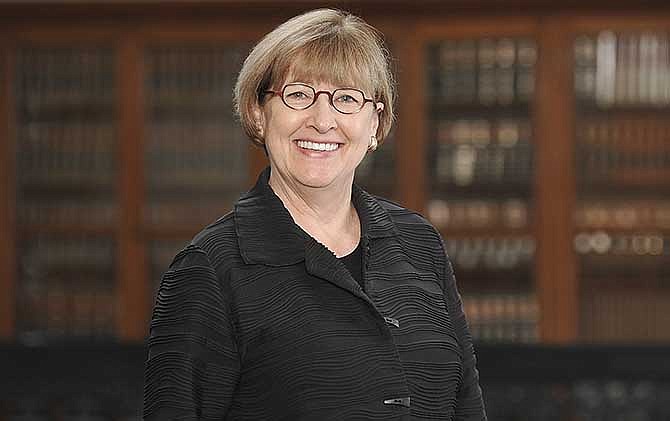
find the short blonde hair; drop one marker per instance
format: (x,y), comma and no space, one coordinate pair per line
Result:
(326,45)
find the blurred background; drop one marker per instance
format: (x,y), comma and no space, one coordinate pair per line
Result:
(534,134)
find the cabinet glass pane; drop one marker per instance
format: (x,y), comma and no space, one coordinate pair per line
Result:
(622,216)
(66,175)
(66,289)
(196,154)
(480,164)
(377,172)
(66,149)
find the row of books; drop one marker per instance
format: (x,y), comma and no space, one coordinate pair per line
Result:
(484,131)
(614,169)
(65,76)
(629,133)
(66,211)
(380,162)
(477,214)
(467,164)
(613,69)
(190,153)
(490,252)
(502,317)
(66,289)
(483,71)
(54,309)
(604,243)
(610,145)
(110,394)
(624,314)
(43,254)
(610,214)
(633,400)
(67,153)
(194,75)
(190,212)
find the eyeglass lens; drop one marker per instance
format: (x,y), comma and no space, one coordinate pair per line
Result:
(299,96)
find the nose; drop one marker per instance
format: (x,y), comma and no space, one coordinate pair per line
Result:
(322,114)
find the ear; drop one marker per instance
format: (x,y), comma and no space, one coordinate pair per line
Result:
(379,107)
(259,119)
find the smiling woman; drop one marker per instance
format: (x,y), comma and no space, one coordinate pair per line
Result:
(313,299)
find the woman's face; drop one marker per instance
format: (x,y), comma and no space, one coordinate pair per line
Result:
(317,147)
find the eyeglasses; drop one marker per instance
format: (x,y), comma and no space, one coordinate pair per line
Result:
(299,96)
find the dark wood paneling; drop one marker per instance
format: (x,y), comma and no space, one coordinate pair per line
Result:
(411,123)
(133,291)
(555,185)
(7,193)
(123,11)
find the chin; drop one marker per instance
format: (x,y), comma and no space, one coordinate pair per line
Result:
(315,181)
(319,178)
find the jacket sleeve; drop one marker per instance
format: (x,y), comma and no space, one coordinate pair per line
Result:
(470,405)
(193,365)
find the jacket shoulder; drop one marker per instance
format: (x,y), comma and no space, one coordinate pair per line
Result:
(406,218)
(414,228)
(219,241)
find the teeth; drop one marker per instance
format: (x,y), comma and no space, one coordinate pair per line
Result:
(317,146)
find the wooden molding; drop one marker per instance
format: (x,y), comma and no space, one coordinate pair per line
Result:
(556,278)
(8,246)
(133,289)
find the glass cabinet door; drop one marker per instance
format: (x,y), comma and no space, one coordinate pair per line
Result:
(66,197)
(622,156)
(196,155)
(480,177)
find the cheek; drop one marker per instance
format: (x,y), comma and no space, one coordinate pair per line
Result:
(362,132)
(279,127)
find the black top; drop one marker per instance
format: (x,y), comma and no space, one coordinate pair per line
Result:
(353,263)
(255,320)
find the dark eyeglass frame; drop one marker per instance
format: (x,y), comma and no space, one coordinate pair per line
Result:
(316,96)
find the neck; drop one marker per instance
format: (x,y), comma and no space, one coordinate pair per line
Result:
(326,214)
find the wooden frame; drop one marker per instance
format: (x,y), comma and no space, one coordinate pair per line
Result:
(556,268)
(7,193)
(132,322)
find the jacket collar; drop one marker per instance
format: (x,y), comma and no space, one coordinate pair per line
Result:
(268,235)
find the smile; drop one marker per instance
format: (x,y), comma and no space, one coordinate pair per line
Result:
(315,146)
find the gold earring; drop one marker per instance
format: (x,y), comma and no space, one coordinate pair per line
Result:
(373,143)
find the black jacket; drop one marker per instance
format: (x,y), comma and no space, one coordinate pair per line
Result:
(256,320)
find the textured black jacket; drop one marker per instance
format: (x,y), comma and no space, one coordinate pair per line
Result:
(256,320)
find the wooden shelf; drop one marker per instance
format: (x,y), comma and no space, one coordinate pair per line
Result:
(74,184)
(490,190)
(66,230)
(485,232)
(615,112)
(445,111)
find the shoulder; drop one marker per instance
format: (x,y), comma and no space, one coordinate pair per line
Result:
(409,222)
(418,236)
(217,243)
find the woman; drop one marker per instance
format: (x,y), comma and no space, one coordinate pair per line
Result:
(312,300)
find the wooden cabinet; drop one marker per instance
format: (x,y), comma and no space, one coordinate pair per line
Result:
(537,143)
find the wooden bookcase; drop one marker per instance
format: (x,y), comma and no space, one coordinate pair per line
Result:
(141,48)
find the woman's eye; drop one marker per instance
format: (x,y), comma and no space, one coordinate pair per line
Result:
(297,95)
(346,98)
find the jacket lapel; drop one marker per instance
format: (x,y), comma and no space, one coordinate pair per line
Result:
(268,235)
(322,263)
